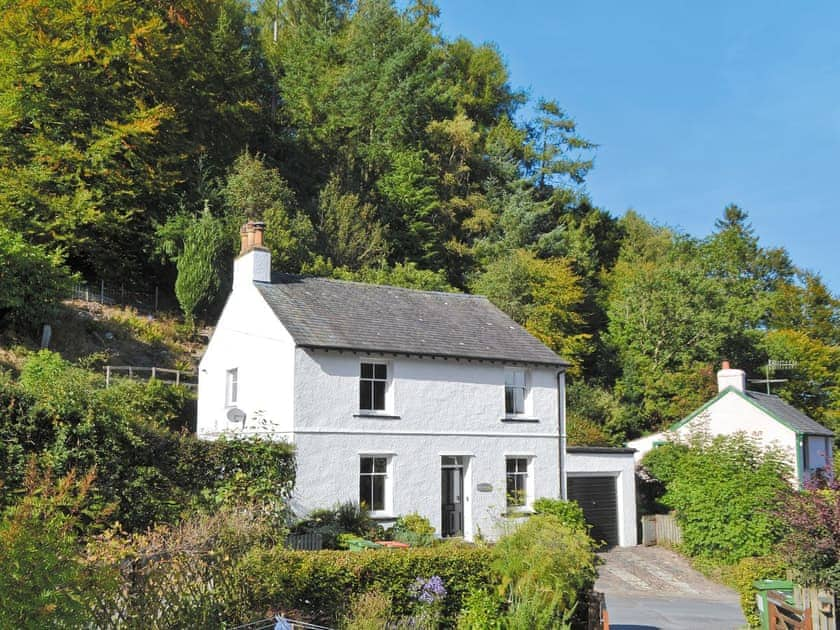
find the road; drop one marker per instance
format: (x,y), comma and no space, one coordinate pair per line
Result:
(652,588)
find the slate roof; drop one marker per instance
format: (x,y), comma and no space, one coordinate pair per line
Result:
(336,314)
(787,414)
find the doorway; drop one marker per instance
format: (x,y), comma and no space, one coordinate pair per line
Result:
(452,496)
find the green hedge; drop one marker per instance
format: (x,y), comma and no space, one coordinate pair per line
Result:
(319,585)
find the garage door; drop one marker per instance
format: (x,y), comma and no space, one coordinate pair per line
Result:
(599,499)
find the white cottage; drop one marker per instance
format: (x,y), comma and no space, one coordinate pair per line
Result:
(404,400)
(768,418)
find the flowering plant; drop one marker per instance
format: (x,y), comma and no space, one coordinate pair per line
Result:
(428,591)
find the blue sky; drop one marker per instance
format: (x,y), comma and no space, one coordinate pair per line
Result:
(694,106)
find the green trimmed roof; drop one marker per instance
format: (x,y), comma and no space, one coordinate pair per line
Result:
(773,406)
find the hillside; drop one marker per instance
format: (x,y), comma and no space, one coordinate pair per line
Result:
(95,335)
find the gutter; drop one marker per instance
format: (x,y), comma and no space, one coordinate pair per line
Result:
(561,430)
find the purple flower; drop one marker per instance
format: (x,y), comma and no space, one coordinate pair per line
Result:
(428,591)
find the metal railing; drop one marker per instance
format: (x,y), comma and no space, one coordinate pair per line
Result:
(136,372)
(99,292)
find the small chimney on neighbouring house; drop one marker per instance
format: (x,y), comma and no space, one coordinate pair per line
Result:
(254,261)
(727,377)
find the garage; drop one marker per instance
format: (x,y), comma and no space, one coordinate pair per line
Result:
(598,496)
(603,481)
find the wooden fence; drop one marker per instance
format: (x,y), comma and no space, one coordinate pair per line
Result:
(145,301)
(167,375)
(821,602)
(661,529)
(784,616)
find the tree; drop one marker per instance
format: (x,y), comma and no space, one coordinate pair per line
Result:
(543,296)
(553,138)
(205,245)
(256,191)
(350,233)
(32,282)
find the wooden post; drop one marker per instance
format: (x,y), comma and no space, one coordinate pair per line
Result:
(130,372)
(154,371)
(177,377)
(107,376)
(102,292)
(156,298)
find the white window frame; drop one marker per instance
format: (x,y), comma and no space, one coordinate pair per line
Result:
(387,384)
(513,374)
(528,474)
(388,490)
(231,386)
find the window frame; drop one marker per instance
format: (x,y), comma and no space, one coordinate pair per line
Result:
(374,379)
(527,489)
(231,386)
(387,487)
(510,375)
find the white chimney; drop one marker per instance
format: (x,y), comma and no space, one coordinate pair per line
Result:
(254,261)
(727,377)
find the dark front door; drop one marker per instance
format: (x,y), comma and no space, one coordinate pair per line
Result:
(452,496)
(598,498)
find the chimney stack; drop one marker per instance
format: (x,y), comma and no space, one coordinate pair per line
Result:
(254,261)
(727,377)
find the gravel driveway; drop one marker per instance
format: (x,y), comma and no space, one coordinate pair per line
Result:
(650,588)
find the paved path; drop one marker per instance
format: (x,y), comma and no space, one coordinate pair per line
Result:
(649,588)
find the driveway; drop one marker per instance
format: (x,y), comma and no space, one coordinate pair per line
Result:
(650,588)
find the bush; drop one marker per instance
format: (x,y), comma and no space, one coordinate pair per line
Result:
(32,282)
(726,493)
(569,512)
(742,575)
(343,519)
(368,611)
(812,538)
(316,585)
(414,530)
(482,611)
(150,474)
(546,567)
(45,582)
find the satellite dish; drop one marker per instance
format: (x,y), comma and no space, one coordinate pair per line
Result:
(235,414)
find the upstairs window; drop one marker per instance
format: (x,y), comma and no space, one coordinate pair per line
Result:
(514,391)
(232,386)
(372,386)
(517,482)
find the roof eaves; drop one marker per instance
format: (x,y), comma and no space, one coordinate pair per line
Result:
(559,363)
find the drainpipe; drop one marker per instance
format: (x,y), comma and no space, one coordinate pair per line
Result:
(561,429)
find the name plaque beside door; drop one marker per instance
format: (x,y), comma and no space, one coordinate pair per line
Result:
(484,487)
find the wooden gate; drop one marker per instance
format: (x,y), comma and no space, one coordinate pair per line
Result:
(784,616)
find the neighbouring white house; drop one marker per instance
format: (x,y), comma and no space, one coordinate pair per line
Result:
(772,421)
(404,400)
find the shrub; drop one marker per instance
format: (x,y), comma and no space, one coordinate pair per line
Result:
(482,611)
(151,474)
(370,610)
(569,512)
(345,518)
(316,585)
(32,282)
(742,576)
(187,573)
(414,530)
(545,567)
(726,493)
(45,583)
(812,537)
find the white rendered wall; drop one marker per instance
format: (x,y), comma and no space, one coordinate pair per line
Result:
(442,407)
(732,414)
(622,466)
(646,443)
(248,337)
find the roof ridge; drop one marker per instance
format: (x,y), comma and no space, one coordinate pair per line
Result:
(460,294)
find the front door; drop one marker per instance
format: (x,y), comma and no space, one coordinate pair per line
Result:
(452,496)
